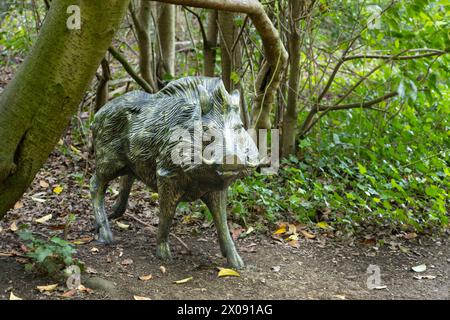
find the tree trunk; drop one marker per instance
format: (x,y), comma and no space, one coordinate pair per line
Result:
(37,104)
(102,93)
(165,66)
(231,57)
(210,46)
(141,21)
(289,131)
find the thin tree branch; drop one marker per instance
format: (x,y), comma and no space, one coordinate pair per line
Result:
(432,53)
(239,34)
(202,28)
(129,69)
(361,104)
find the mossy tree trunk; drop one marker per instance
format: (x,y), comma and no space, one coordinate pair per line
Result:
(230,53)
(210,46)
(165,67)
(37,104)
(289,132)
(142,20)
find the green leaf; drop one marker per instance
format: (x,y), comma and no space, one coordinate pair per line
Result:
(362,169)
(235,77)
(41,253)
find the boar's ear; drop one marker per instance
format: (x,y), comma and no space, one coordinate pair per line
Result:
(205,102)
(235,98)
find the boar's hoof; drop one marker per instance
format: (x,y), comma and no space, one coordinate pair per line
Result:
(105,236)
(163,251)
(235,261)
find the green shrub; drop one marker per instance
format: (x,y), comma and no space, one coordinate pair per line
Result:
(49,257)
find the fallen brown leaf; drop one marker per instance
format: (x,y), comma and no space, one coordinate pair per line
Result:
(410,235)
(47,288)
(127,262)
(13,227)
(307,235)
(82,240)
(69,293)
(292,229)
(146,278)
(91,270)
(235,233)
(369,242)
(44,184)
(12,296)
(44,218)
(183,280)
(294,244)
(82,288)
(18,205)
(281,229)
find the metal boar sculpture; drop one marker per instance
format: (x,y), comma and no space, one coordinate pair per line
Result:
(149,137)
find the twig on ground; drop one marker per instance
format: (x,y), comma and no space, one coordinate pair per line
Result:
(154,228)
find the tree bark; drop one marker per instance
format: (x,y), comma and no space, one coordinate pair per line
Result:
(272,68)
(210,46)
(102,93)
(141,21)
(165,66)
(289,129)
(37,104)
(231,57)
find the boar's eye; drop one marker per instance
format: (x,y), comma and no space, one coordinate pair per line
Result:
(238,126)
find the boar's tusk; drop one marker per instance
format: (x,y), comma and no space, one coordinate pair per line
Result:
(253,164)
(206,161)
(265,162)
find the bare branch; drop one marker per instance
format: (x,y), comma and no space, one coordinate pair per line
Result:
(432,53)
(129,69)
(202,28)
(367,104)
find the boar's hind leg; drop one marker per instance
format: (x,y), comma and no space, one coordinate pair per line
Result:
(98,190)
(217,204)
(126,182)
(168,201)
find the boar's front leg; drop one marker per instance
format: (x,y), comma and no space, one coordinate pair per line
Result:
(217,204)
(169,196)
(126,182)
(98,190)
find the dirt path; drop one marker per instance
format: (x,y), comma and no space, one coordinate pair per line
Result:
(321,268)
(274,271)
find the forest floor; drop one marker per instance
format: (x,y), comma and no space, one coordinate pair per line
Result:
(330,266)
